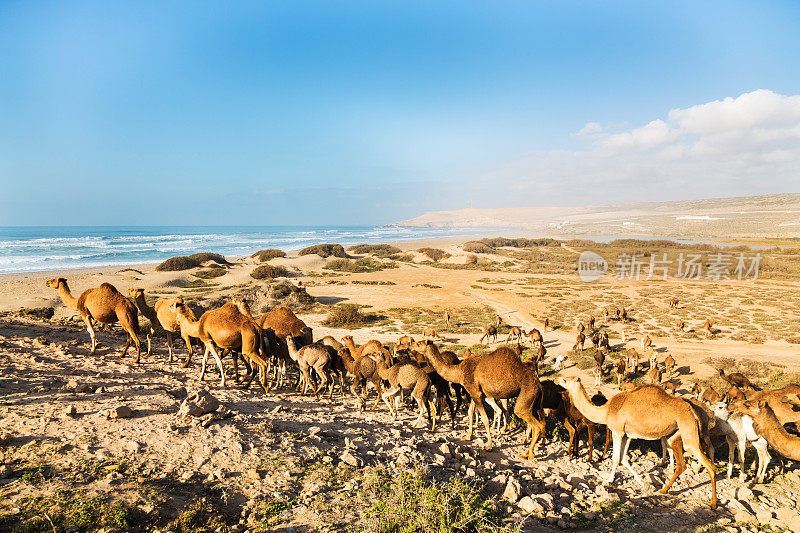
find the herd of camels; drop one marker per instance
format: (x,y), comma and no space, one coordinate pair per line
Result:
(269,344)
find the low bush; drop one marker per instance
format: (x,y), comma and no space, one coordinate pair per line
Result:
(209,273)
(477,247)
(206,256)
(378,250)
(177,263)
(349,316)
(360,265)
(325,250)
(269,272)
(434,254)
(499,242)
(266,255)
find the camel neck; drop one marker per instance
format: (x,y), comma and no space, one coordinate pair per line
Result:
(777,437)
(66,296)
(591,411)
(191,326)
(451,373)
(146,310)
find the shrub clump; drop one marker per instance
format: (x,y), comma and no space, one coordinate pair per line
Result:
(266,255)
(325,250)
(360,265)
(349,316)
(477,247)
(499,242)
(269,272)
(434,254)
(378,250)
(185,262)
(209,273)
(285,293)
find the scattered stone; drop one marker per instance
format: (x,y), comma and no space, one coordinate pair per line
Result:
(744,517)
(5,471)
(351,460)
(744,493)
(513,491)
(530,506)
(121,411)
(198,404)
(74,386)
(179,394)
(764,515)
(70,411)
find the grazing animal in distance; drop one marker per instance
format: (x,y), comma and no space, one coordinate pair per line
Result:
(591,323)
(104,304)
(707,327)
(430,333)
(599,359)
(490,332)
(581,327)
(621,369)
(546,323)
(673,303)
(579,340)
(647,342)
(558,364)
(669,366)
(654,376)
(515,333)
(534,336)
(624,315)
(633,359)
(736,378)
(681,325)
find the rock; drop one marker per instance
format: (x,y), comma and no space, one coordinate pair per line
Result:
(546,499)
(313,430)
(470,472)
(351,460)
(133,447)
(253,475)
(529,505)
(198,404)
(513,491)
(744,493)
(121,411)
(70,411)
(100,390)
(794,524)
(744,517)
(763,515)
(179,394)
(786,514)
(444,449)
(74,386)
(574,480)
(5,438)
(5,471)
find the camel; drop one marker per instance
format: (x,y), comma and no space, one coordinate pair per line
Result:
(624,315)
(370,347)
(229,329)
(784,411)
(534,336)
(104,304)
(558,364)
(707,327)
(647,342)
(669,366)
(581,328)
(499,375)
(736,378)
(579,340)
(738,430)
(515,333)
(591,323)
(654,376)
(283,322)
(673,303)
(430,333)
(734,394)
(407,376)
(556,400)
(621,369)
(333,343)
(645,413)
(670,387)
(617,315)
(706,394)
(317,356)
(599,359)
(633,359)
(488,333)
(652,360)
(405,340)
(546,323)
(680,324)
(162,318)
(363,369)
(595,338)
(768,426)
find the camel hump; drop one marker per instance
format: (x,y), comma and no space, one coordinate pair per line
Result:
(108,287)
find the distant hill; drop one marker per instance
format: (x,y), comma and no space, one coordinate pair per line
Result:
(774,215)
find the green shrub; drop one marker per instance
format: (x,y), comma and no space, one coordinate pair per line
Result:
(177,263)
(206,256)
(378,250)
(349,316)
(266,255)
(364,264)
(477,247)
(499,242)
(209,273)
(434,253)
(270,271)
(325,250)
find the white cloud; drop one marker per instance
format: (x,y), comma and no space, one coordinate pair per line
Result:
(736,146)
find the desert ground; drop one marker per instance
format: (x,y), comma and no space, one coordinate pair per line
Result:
(74,459)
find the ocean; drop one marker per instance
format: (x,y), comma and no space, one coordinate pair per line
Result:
(36,248)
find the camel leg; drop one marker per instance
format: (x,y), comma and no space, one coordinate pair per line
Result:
(210,347)
(676,443)
(590,428)
(421,405)
(571,431)
(763,460)
(376,381)
(712,473)
(470,415)
(616,454)
(627,464)
(391,393)
(149,341)
(498,412)
(169,345)
(607,443)
(90,328)
(536,424)
(731,452)
(741,448)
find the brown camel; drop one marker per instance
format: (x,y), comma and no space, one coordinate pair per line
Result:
(430,333)
(500,374)
(229,329)
(162,319)
(673,303)
(735,394)
(768,426)
(317,356)
(591,323)
(736,378)
(680,324)
(669,366)
(556,402)
(405,340)
(654,376)
(489,332)
(647,342)
(624,315)
(357,352)
(633,359)
(104,304)
(706,394)
(599,359)
(515,333)
(707,327)
(621,369)
(581,328)
(784,411)
(579,340)
(364,369)
(647,412)
(534,336)
(407,376)
(546,323)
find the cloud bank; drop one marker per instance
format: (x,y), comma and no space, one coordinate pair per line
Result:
(736,146)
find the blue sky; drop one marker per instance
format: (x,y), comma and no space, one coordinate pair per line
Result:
(371,112)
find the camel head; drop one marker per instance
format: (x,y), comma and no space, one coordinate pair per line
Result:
(135,292)
(792,399)
(721,410)
(56,282)
(467,353)
(347,338)
(751,408)
(571,383)
(344,353)
(242,305)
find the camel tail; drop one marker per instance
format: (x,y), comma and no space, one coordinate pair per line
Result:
(135,321)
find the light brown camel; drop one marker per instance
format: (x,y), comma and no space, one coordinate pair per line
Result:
(162,318)
(621,369)
(104,304)
(430,333)
(647,342)
(283,322)
(317,356)
(707,327)
(706,394)
(736,378)
(405,340)
(673,303)
(654,376)
(633,359)
(768,426)
(579,340)
(784,411)
(647,412)
(229,329)
(534,337)
(735,394)
(546,323)
(499,375)
(357,352)
(407,376)
(669,366)
(515,333)
(489,332)
(680,324)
